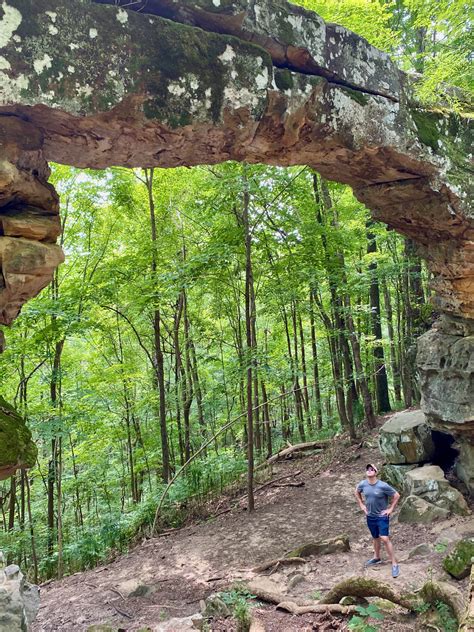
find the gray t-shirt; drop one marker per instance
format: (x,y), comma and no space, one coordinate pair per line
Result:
(376,496)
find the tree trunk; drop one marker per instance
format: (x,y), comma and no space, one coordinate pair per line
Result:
(391,336)
(249,342)
(159,358)
(381,382)
(305,394)
(314,349)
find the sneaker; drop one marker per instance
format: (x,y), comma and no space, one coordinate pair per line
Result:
(373,561)
(395,570)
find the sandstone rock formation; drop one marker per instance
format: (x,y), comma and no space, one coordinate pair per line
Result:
(429,496)
(406,438)
(19,600)
(17,449)
(395,474)
(185,82)
(415,509)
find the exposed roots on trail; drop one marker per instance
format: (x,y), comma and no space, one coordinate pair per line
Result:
(318,608)
(283,561)
(363,587)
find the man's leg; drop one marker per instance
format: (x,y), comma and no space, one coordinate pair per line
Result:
(376,542)
(389,547)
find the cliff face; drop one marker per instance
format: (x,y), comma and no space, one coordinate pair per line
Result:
(181,82)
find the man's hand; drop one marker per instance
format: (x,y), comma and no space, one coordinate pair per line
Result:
(364,509)
(386,512)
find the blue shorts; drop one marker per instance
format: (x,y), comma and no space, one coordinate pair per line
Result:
(378,525)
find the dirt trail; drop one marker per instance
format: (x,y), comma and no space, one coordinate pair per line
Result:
(191,563)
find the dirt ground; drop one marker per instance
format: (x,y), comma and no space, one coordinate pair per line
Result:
(166,577)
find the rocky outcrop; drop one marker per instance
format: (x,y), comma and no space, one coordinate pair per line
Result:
(446,370)
(394,475)
(406,438)
(429,484)
(416,509)
(29,217)
(19,600)
(17,449)
(185,82)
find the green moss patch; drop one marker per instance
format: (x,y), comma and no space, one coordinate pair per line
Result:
(359,97)
(459,562)
(427,125)
(283,79)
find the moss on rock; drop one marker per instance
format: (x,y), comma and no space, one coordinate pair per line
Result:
(427,125)
(283,79)
(359,97)
(16,446)
(459,562)
(85,60)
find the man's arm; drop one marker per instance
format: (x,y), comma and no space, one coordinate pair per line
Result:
(393,504)
(360,501)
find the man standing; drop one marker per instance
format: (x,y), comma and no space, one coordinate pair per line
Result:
(376,508)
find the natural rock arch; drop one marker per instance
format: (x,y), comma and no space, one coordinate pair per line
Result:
(183,82)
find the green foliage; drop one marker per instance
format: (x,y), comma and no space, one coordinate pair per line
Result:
(237,599)
(446,618)
(439,613)
(422,607)
(101,315)
(441,547)
(360,623)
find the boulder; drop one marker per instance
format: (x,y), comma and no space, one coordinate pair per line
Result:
(406,438)
(459,562)
(422,550)
(429,483)
(394,475)
(19,600)
(216,607)
(415,509)
(183,624)
(465,465)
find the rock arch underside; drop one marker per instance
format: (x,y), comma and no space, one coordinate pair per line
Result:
(185,82)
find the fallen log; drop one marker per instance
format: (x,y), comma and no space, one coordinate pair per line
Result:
(322,547)
(331,608)
(363,587)
(277,480)
(299,447)
(264,486)
(282,561)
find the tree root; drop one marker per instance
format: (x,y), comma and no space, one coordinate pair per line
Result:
(270,596)
(432,592)
(363,587)
(322,547)
(279,562)
(331,608)
(467,624)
